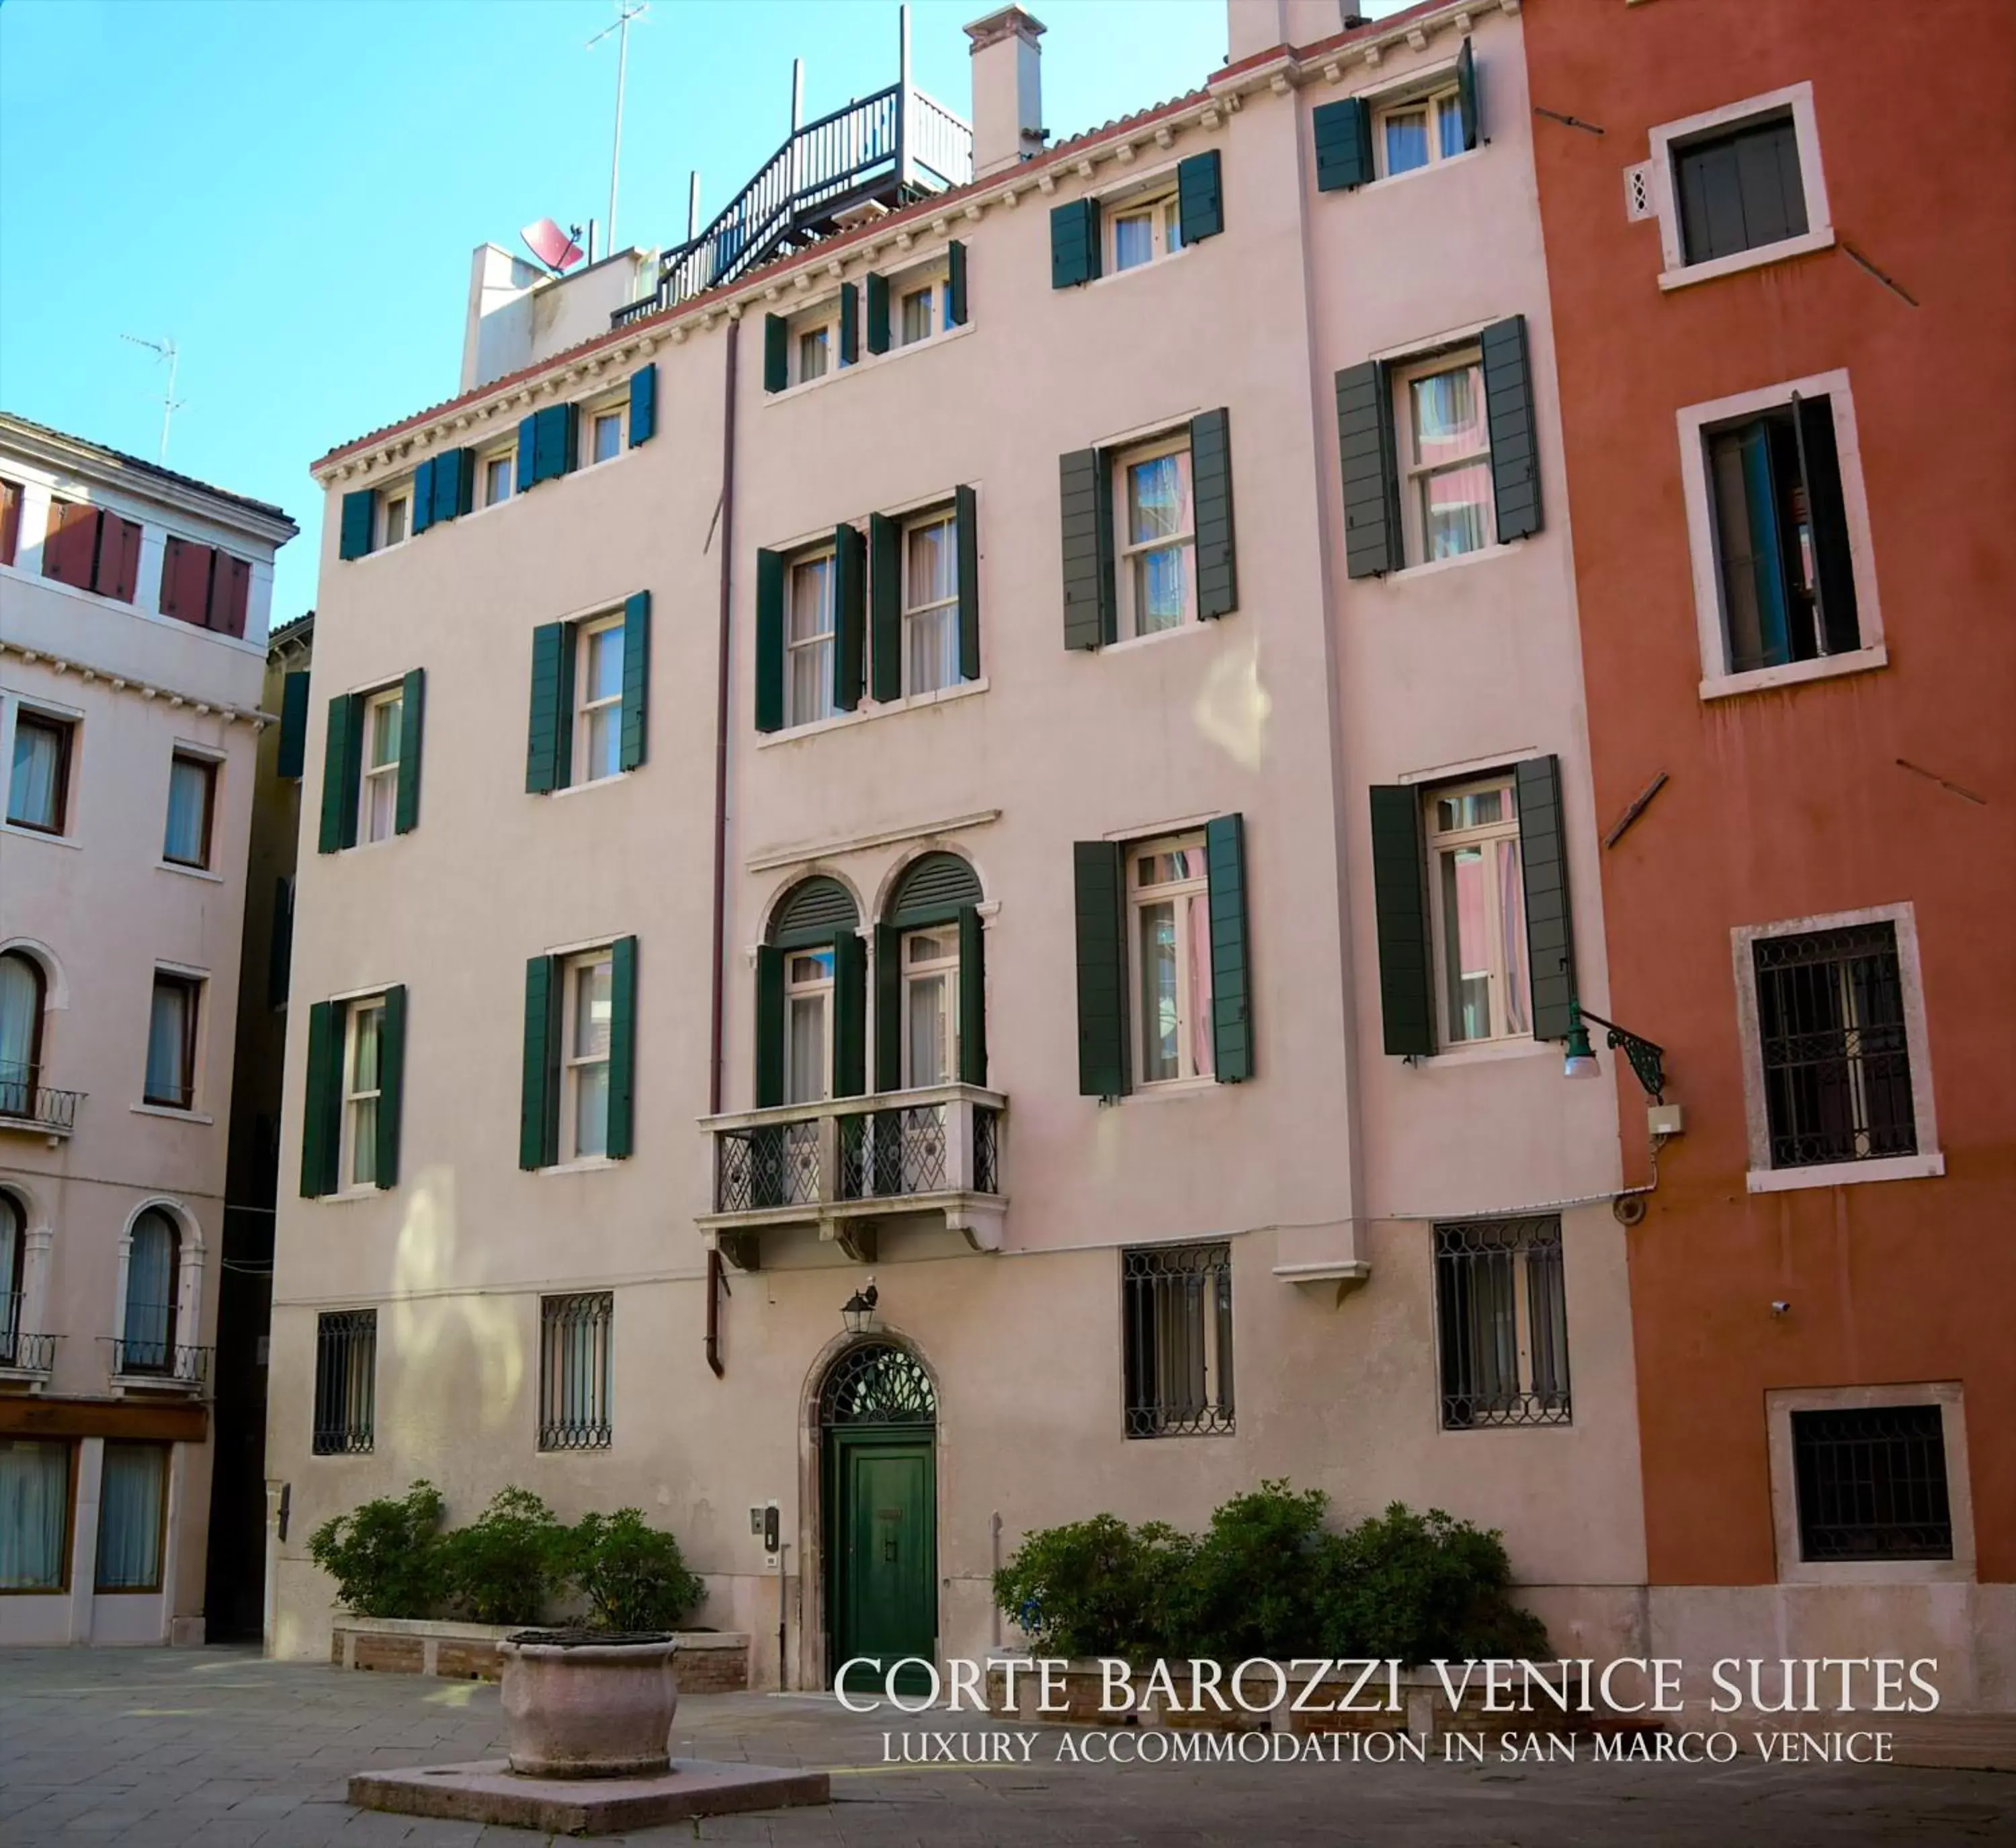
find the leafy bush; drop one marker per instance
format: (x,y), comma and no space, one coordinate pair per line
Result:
(385,1555)
(1248,1585)
(1096,1587)
(504,1566)
(633,1575)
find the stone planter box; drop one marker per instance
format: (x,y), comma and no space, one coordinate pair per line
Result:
(709,1661)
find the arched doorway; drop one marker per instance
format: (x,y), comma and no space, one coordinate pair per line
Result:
(877,1421)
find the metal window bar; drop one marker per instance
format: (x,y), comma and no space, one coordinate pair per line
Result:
(1836,1059)
(889,1154)
(575,1372)
(346,1382)
(1501,1314)
(25,1099)
(1176,1327)
(21,1352)
(986,1150)
(766,1165)
(151,1358)
(877,1384)
(1872,1483)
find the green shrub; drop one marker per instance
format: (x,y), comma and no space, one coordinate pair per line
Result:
(1247,1586)
(633,1575)
(1096,1587)
(504,1566)
(385,1555)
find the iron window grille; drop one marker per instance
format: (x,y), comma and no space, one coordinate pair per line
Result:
(1872,1483)
(346,1382)
(575,1372)
(1836,1060)
(986,1150)
(1176,1325)
(1501,1318)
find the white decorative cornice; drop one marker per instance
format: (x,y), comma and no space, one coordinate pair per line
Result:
(91,674)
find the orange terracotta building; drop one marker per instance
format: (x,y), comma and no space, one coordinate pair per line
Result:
(1784,302)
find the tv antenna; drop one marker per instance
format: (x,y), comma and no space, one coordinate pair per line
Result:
(625,12)
(162,349)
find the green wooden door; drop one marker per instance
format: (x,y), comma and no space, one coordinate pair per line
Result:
(886,1573)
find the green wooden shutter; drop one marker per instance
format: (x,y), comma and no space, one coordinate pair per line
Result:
(413,721)
(1085,491)
(1343,145)
(1543,865)
(878,314)
(850,628)
(955,284)
(422,511)
(554,442)
(1074,243)
(546,761)
(769,641)
(1400,902)
(621,1137)
(885,606)
(340,766)
(1466,96)
(769,1027)
(360,517)
(1508,397)
(776,368)
(1826,513)
(888,1008)
(1099,899)
(280,942)
(464,481)
(850,324)
(636,677)
(972,997)
(850,1014)
(391,1084)
(539,1099)
(1200,197)
(317,1157)
(293,723)
(644,403)
(528,451)
(966,523)
(1210,476)
(1231,982)
(1372,542)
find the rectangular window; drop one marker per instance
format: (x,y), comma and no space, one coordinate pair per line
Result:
(808,642)
(378,800)
(395,516)
(1476,897)
(1419,132)
(1157,514)
(604,434)
(574,1371)
(1871,1483)
(497,471)
(10,520)
(807,1026)
(930,1008)
(1175,1306)
(1144,230)
(34,1515)
(91,548)
(38,785)
(1445,464)
(598,680)
(131,1507)
(586,1035)
(192,802)
(812,351)
(171,1029)
(363,1082)
(930,604)
(346,1382)
(1740,188)
(1836,1058)
(203,586)
(916,316)
(1501,1321)
(1170,898)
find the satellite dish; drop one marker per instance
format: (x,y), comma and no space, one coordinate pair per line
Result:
(553,248)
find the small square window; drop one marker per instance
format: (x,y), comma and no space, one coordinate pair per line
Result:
(1445,457)
(346,1382)
(378,801)
(1176,1308)
(575,1372)
(171,1041)
(38,783)
(498,474)
(1156,514)
(192,802)
(1501,1321)
(1169,906)
(1421,131)
(1870,1483)
(809,640)
(1477,897)
(605,434)
(598,680)
(813,352)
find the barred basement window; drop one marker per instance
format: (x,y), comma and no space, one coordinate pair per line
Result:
(346,1382)
(1872,1483)
(1176,1317)
(574,1371)
(1501,1317)
(1837,1065)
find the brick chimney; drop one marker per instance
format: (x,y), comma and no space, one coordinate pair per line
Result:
(1007,90)
(1259,25)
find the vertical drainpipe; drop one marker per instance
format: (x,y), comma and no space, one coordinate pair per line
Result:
(716,1279)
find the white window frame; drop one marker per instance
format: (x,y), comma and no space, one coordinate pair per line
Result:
(947,610)
(1668,139)
(370,774)
(1172,892)
(822,319)
(934,281)
(1928,1160)
(1176,442)
(915,973)
(354,1099)
(508,459)
(1948,1396)
(796,989)
(1695,423)
(591,415)
(575,1064)
(1412,472)
(824,642)
(389,498)
(586,707)
(1430,93)
(1434,842)
(1156,199)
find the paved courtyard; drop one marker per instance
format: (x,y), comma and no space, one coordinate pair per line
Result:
(217,1748)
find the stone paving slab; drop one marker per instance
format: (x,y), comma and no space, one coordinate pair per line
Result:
(488,1792)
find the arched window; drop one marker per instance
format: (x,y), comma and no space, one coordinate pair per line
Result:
(931,1026)
(811,998)
(153,1262)
(14,1274)
(21,996)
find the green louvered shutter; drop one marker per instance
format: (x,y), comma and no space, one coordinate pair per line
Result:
(464,477)
(850,622)
(1074,243)
(644,403)
(340,766)
(878,314)
(769,1027)
(1231,978)
(966,523)
(539,1100)
(1200,197)
(769,641)
(972,997)
(553,442)
(391,1084)
(850,1014)
(1100,895)
(1211,476)
(317,1092)
(546,763)
(423,511)
(885,606)
(850,324)
(1543,866)
(293,724)
(1400,902)
(636,677)
(413,724)
(888,1008)
(1343,145)
(1826,514)
(955,284)
(1466,96)
(528,451)
(1372,542)
(776,370)
(622,1135)
(1085,491)
(360,517)
(1508,398)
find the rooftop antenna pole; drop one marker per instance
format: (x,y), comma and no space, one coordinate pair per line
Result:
(692,206)
(625,14)
(165,349)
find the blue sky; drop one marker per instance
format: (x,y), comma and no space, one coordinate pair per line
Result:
(292,189)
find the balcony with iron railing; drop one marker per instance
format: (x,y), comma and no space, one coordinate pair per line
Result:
(159,1364)
(24,1356)
(850,1165)
(28,1104)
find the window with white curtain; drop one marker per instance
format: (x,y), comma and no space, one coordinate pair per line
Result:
(378,805)
(586,1037)
(361,1083)
(930,604)
(808,643)
(598,680)
(132,1493)
(1476,895)
(191,798)
(13,1276)
(930,1008)
(21,997)
(1419,132)
(171,1026)
(34,1513)
(154,1262)
(1144,230)
(1170,906)
(1445,470)
(38,787)
(1156,515)
(808,1025)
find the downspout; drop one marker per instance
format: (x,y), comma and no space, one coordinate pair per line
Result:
(716,1280)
